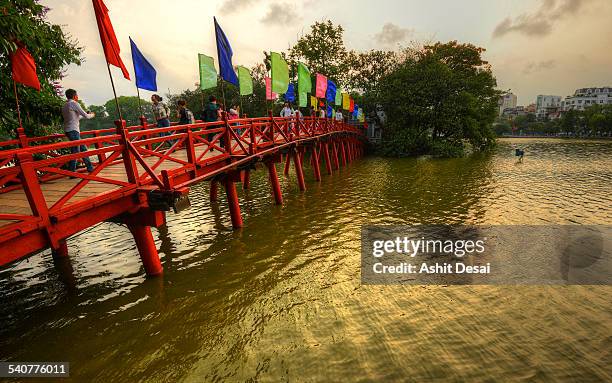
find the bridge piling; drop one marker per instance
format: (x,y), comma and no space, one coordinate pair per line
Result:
(315,164)
(342,153)
(246,179)
(328,164)
(298,170)
(146,248)
(273,177)
(287,164)
(335,152)
(214,191)
(61,251)
(232,200)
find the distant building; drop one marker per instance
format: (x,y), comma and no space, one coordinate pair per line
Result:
(512,113)
(531,108)
(506,101)
(546,105)
(585,97)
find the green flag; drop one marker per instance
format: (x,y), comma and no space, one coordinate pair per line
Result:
(304,80)
(208,74)
(338,101)
(245,81)
(303,100)
(280,73)
(304,84)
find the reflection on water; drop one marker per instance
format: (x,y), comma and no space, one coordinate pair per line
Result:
(281,299)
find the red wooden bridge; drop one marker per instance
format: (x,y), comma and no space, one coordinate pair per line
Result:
(141,172)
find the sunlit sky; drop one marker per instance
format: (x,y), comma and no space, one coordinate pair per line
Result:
(535,46)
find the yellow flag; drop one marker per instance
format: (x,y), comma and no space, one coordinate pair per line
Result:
(313,102)
(346,101)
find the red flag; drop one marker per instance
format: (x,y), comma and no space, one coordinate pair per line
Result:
(107,35)
(24,68)
(269,94)
(321,83)
(352,105)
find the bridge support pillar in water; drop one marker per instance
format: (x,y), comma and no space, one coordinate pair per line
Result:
(61,251)
(297,161)
(336,164)
(232,199)
(273,177)
(246,179)
(140,224)
(287,164)
(328,164)
(343,153)
(315,163)
(214,191)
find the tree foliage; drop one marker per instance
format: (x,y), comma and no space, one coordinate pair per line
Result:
(441,97)
(52,49)
(323,51)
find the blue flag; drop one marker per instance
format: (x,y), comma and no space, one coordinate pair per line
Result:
(331,91)
(329,111)
(290,95)
(224,52)
(356,111)
(145,73)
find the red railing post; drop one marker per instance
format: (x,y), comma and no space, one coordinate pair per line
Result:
(129,161)
(23,139)
(190,148)
(98,145)
(36,198)
(253,138)
(143,123)
(271,127)
(227,135)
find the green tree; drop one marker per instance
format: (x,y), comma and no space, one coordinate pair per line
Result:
(323,51)
(52,49)
(437,99)
(106,114)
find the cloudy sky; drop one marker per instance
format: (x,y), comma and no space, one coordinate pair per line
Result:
(535,46)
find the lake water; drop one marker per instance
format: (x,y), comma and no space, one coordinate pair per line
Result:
(281,299)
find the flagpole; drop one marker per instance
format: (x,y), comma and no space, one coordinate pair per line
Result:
(139,105)
(17,102)
(114,91)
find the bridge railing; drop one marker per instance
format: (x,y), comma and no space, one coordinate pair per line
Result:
(146,156)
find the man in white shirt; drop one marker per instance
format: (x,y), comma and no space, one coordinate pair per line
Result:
(72,113)
(286,111)
(339,116)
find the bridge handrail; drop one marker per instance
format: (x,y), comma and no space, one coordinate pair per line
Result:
(142,150)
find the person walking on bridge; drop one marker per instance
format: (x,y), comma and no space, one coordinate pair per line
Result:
(286,111)
(161,112)
(72,113)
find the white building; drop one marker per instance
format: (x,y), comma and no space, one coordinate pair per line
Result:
(508,100)
(546,104)
(585,97)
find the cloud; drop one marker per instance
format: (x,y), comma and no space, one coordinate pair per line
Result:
(540,22)
(231,6)
(392,34)
(533,67)
(281,14)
